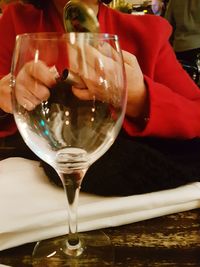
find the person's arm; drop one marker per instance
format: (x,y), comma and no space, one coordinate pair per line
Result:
(174,100)
(12,22)
(7,39)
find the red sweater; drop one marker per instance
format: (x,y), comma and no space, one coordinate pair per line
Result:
(174,98)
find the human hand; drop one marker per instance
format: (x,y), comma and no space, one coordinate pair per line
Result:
(100,69)
(30,93)
(137,100)
(101,74)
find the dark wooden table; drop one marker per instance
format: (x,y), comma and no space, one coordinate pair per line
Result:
(172,240)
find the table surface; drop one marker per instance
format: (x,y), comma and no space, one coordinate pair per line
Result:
(172,240)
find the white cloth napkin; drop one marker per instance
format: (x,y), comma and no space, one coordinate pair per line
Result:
(32,209)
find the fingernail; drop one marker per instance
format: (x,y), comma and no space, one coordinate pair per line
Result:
(54,71)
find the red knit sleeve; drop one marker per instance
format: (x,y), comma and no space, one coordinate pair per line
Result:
(174,100)
(174,97)
(7,41)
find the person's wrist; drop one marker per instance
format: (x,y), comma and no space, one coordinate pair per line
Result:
(141,118)
(141,122)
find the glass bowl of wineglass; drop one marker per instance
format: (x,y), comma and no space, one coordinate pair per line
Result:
(69,101)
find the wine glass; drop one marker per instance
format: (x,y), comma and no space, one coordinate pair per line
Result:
(69,100)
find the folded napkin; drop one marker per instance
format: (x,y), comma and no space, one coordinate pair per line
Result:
(33,209)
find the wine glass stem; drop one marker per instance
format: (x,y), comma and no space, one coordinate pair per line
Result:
(72,182)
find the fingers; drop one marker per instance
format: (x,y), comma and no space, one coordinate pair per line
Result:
(129,58)
(101,73)
(30,99)
(32,83)
(82,94)
(39,71)
(107,50)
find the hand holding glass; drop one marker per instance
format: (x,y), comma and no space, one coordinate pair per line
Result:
(69,100)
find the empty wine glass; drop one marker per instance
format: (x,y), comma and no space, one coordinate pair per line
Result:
(69,100)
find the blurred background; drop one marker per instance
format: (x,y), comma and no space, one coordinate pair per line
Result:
(139,7)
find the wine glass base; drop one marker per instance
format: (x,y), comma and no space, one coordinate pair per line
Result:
(97,251)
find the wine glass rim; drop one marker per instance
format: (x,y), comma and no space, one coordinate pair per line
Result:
(52,35)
